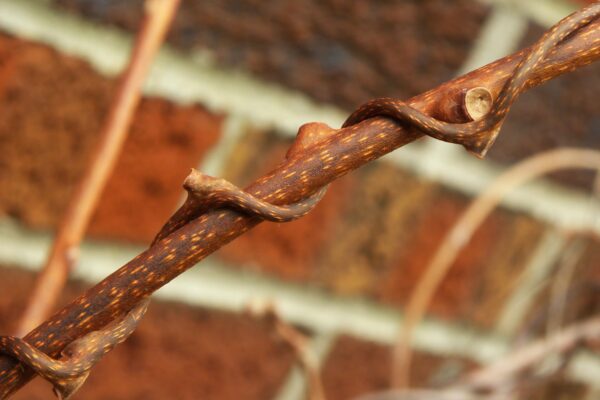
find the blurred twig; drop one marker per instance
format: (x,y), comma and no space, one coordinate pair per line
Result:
(496,381)
(463,230)
(298,342)
(559,288)
(64,252)
(506,369)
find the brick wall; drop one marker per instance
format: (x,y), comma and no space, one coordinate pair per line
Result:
(238,79)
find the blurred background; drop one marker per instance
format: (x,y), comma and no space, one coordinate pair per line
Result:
(226,95)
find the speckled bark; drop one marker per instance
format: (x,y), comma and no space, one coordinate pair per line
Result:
(299,176)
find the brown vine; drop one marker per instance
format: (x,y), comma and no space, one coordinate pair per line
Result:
(478,135)
(64,252)
(301,175)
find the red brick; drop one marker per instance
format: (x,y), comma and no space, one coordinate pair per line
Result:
(145,187)
(558,388)
(589,265)
(341,52)
(377,221)
(356,367)
(499,276)
(50,117)
(52,110)
(177,352)
(426,236)
(485,270)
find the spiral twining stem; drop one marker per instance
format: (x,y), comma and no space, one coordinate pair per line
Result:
(207,193)
(478,136)
(68,374)
(327,160)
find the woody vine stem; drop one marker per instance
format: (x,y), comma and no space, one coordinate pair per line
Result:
(302,174)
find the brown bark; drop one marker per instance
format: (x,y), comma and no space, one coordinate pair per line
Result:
(299,176)
(64,253)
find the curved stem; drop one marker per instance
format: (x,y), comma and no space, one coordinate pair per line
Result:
(344,151)
(463,230)
(64,252)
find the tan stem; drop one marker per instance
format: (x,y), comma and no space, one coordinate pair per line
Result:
(463,230)
(499,372)
(297,341)
(344,151)
(64,251)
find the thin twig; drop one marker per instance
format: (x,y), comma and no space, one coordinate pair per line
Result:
(298,342)
(462,232)
(492,382)
(495,375)
(295,179)
(561,284)
(64,253)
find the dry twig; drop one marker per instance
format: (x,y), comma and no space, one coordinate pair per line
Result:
(495,381)
(64,253)
(463,230)
(501,372)
(298,342)
(295,179)
(561,283)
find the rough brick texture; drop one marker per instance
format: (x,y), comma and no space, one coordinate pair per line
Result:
(177,352)
(485,271)
(377,223)
(341,52)
(357,367)
(52,110)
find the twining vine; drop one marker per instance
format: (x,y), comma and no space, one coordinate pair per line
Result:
(320,155)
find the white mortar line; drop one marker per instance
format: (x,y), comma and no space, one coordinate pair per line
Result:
(233,129)
(543,12)
(499,36)
(530,282)
(213,163)
(28,249)
(295,385)
(228,289)
(542,199)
